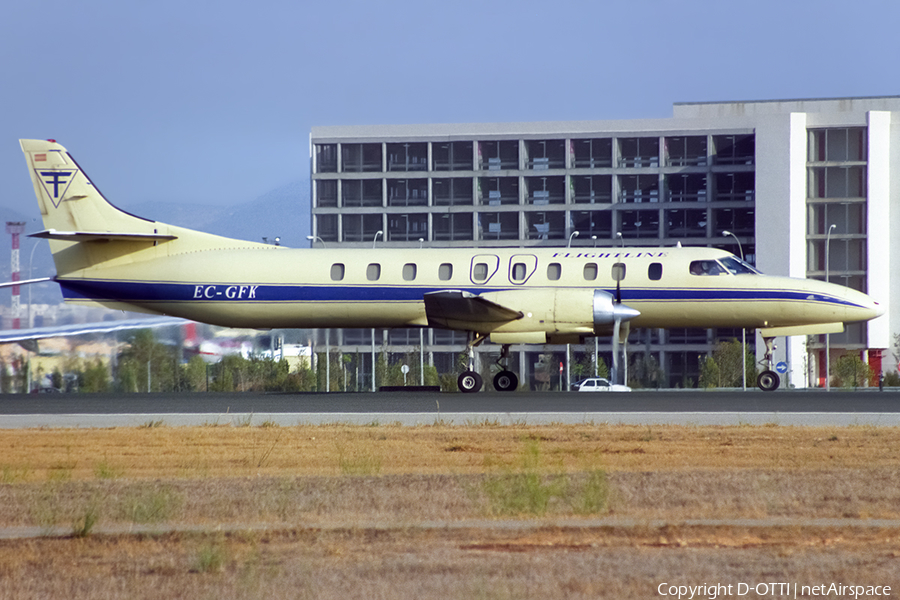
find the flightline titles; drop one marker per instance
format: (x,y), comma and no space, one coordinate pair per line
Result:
(771,590)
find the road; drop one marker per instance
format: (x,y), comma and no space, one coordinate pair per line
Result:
(795,407)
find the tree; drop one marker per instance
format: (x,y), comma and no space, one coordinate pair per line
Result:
(146,365)
(723,368)
(849,370)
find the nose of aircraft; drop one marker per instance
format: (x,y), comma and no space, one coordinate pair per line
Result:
(854,305)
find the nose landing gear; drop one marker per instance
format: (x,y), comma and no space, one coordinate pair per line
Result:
(768,380)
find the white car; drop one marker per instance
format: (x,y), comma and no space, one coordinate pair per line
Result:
(598,384)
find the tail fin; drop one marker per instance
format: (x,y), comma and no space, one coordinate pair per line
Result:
(68,200)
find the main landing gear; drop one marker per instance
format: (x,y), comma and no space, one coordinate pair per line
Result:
(470,382)
(768,380)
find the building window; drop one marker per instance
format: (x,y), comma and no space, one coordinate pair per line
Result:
(326,158)
(361,192)
(358,158)
(734,149)
(735,187)
(545,190)
(360,228)
(590,223)
(545,154)
(639,152)
(452,226)
(593,153)
(327,227)
(498,155)
(639,223)
(837,182)
(739,221)
(638,188)
(452,156)
(686,223)
(494,191)
(591,189)
(407,157)
(686,187)
(546,225)
(837,145)
(687,151)
(454,191)
(499,226)
(407,192)
(326,193)
(407,228)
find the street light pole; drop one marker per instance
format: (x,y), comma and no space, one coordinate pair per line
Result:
(572,235)
(743,329)
(375,239)
(828,335)
(315,238)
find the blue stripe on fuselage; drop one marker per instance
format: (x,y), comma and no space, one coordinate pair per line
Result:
(166,292)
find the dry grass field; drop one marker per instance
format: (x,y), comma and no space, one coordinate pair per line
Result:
(484,511)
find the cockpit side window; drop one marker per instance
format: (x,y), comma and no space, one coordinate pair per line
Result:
(707,267)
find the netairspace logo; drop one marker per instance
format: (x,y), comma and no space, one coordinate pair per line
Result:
(771,590)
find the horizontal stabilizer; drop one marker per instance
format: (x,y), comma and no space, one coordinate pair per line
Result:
(450,308)
(7,284)
(101,236)
(37,333)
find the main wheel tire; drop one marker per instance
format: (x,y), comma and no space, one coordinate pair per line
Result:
(506,381)
(768,381)
(469,382)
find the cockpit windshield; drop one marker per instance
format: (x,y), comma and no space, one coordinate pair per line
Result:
(738,267)
(724,266)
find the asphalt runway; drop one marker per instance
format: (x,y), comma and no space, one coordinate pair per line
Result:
(687,407)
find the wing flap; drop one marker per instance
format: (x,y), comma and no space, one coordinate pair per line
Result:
(458,309)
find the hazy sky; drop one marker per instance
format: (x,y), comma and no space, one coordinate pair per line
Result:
(212,102)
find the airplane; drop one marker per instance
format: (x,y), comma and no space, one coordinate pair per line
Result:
(104,255)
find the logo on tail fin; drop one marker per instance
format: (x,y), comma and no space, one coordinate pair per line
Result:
(56,183)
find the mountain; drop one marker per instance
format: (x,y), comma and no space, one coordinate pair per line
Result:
(282,212)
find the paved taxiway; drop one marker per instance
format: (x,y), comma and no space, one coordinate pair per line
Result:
(689,407)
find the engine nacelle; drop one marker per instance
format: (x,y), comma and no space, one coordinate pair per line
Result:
(557,315)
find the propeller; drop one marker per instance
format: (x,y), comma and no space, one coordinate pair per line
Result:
(620,313)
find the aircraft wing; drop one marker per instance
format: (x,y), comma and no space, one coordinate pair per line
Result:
(457,309)
(36,333)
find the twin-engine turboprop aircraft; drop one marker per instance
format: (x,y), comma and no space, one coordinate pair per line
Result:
(510,295)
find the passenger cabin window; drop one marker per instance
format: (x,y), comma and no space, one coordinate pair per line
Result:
(445,272)
(654,271)
(707,267)
(337,272)
(409,272)
(479,272)
(590,271)
(554,271)
(519,272)
(618,271)
(373,272)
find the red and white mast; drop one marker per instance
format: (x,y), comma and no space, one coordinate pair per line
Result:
(15,229)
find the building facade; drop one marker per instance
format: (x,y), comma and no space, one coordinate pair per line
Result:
(776,181)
